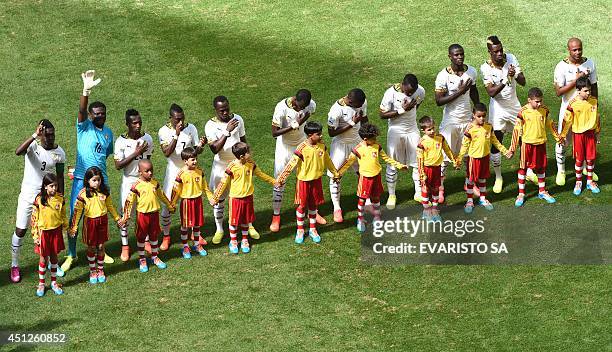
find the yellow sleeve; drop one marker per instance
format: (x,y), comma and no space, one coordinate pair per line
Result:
(387,159)
(64,216)
(176,192)
(553,130)
(421,163)
(448,151)
(264,176)
(34,220)
(330,165)
(225,181)
(295,160)
(497,144)
(162,196)
(347,163)
(209,194)
(76,216)
(517,132)
(129,204)
(465,145)
(111,208)
(568,120)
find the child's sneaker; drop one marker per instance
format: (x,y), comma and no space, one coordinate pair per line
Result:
(59,272)
(101,276)
(426,214)
(592,186)
(547,197)
(56,288)
(314,235)
(40,291)
(93,277)
(468,208)
(299,236)
(143,265)
(158,262)
(198,248)
(520,200)
(233,246)
(435,215)
(186,252)
(578,188)
(244,246)
(361,226)
(486,204)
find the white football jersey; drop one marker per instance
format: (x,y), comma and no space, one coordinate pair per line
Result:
(565,72)
(38,162)
(340,114)
(505,104)
(214,130)
(459,110)
(125,146)
(393,100)
(187,138)
(284,115)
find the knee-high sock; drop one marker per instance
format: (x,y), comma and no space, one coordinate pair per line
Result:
(425,197)
(482,184)
(560,156)
(218,210)
(578,169)
(233,230)
(245,231)
(91,259)
(100,260)
(391,177)
(299,216)
(16,243)
(541,183)
(53,269)
(376,207)
(416,179)
(196,236)
(42,269)
(166,220)
(590,166)
(124,235)
(521,181)
(277,199)
(469,190)
(184,235)
(360,205)
(334,190)
(312,218)
(141,251)
(154,248)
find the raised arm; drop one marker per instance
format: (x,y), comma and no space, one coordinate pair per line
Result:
(88,84)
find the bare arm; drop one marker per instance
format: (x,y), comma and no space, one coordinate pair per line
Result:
(140,149)
(520,79)
(23,147)
(474,96)
(443,99)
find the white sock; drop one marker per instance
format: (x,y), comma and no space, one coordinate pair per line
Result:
(334,190)
(166,220)
(391,176)
(15,248)
(496,161)
(560,156)
(218,210)
(277,199)
(124,235)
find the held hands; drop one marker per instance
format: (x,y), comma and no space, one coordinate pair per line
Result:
(172,209)
(72,233)
(509,154)
(89,82)
(37,242)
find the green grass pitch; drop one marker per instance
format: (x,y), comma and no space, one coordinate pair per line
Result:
(281,296)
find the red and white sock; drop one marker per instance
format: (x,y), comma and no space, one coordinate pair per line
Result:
(312,218)
(196,235)
(154,248)
(233,232)
(469,190)
(91,258)
(541,183)
(184,235)
(521,181)
(578,169)
(141,251)
(424,197)
(245,231)
(590,165)
(53,269)
(482,185)
(360,205)
(299,216)
(100,261)
(42,269)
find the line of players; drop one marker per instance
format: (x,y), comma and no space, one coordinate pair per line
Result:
(455,87)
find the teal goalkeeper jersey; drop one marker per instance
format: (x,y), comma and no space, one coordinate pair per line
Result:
(94,145)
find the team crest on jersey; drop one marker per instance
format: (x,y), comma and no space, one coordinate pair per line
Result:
(197,179)
(320,153)
(593,108)
(375,154)
(248,172)
(57,206)
(438,145)
(102,197)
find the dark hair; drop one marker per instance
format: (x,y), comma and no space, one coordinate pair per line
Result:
(411,80)
(582,82)
(304,96)
(479,107)
(492,40)
(535,92)
(312,127)
(368,130)
(96,104)
(129,113)
(454,47)
(46,123)
(48,179)
(425,121)
(89,174)
(357,94)
(188,153)
(174,108)
(239,149)
(219,99)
